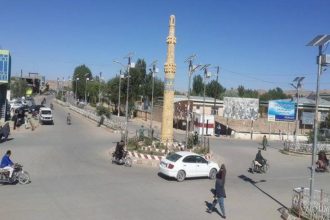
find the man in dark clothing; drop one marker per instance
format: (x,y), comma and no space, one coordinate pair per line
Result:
(119,152)
(264,142)
(220,192)
(260,159)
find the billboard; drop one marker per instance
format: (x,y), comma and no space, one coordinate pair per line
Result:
(240,108)
(307,118)
(281,110)
(4,66)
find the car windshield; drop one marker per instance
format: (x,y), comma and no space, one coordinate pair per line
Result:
(46,112)
(173,157)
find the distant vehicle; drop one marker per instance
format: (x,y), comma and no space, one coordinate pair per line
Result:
(187,164)
(45,116)
(35,108)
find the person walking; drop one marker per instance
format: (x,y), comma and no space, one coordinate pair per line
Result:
(220,192)
(264,142)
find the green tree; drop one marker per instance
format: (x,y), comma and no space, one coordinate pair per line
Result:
(240,90)
(18,87)
(272,94)
(198,86)
(214,89)
(82,72)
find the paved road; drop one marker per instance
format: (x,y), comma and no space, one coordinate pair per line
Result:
(73,178)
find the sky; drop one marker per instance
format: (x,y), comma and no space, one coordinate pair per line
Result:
(260,44)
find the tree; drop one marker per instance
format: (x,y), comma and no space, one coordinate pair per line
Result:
(18,87)
(240,90)
(198,86)
(272,94)
(214,89)
(82,72)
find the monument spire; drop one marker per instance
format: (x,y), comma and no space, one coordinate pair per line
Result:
(169,69)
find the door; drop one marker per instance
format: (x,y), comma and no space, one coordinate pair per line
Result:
(189,166)
(202,166)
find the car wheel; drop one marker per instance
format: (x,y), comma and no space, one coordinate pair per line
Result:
(181,176)
(213,173)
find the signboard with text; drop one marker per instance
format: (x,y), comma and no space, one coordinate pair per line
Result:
(281,110)
(4,66)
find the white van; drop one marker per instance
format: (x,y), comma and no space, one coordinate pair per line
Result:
(45,116)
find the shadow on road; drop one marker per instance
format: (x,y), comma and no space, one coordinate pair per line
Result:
(254,183)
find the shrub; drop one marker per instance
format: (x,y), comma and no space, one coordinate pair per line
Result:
(101,110)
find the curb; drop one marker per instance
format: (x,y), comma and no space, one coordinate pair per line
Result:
(287,216)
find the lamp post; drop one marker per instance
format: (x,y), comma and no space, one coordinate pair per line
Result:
(100,87)
(120,76)
(298,81)
(129,65)
(154,70)
(191,70)
(86,90)
(319,42)
(215,99)
(75,95)
(205,76)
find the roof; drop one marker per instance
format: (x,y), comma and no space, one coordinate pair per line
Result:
(179,98)
(185,153)
(45,108)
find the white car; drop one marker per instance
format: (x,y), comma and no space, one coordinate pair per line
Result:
(187,164)
(45,115)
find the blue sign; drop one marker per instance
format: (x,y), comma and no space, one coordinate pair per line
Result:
(281,110)
(4,66)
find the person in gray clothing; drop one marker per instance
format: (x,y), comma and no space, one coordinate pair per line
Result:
(220,192)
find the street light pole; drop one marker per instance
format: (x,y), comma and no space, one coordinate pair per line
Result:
(318,41)
(218,69)
(86,90)
(298,80)
(77,79)
(119,93)
(153,72)
(204,81)
(100,87)
(191,70)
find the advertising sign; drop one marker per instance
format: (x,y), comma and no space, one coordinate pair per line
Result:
(240,108)
(281,110)
(307,118)
(4,66)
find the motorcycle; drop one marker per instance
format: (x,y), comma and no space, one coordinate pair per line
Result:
(125,160)
(258,168)
(19,175)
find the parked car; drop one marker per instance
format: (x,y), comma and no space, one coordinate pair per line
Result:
(187,164)
(45,116)
(35,108)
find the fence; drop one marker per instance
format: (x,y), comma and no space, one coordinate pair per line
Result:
(113,123)
(317,208)
(304,147)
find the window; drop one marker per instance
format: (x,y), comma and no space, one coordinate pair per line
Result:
(173,157)
(189,159)
(200,160)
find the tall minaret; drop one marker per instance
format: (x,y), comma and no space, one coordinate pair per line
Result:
(169,68)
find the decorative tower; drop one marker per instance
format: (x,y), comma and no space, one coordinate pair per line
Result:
(169,68)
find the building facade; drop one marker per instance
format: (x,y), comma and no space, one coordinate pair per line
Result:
(5,73)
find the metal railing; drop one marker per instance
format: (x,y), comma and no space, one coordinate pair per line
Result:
(303,147)
(316,208)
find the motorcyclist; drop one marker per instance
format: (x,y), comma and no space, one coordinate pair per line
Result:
(7,164)
(260,160)
(68,118)
(119,152)
(322,162)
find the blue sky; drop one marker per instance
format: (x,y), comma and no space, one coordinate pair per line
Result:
(260,44)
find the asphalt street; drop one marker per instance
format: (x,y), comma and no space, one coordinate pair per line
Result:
(73,178)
